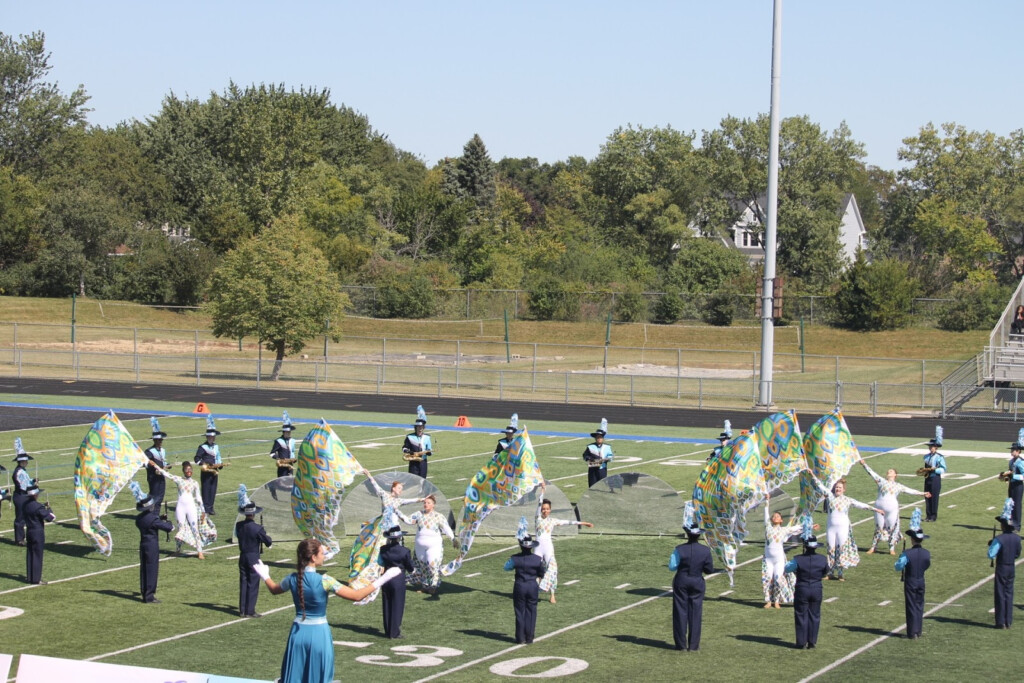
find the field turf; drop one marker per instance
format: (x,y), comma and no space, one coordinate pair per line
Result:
(613,616)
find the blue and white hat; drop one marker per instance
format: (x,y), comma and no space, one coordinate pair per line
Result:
(726,431)
(211,426)
(937,439)
(523,530)
(690,523)
(602,430)
(395,532)
(1018,445)
(513,424)
(286,423)
(19,452)
(1007,514)
(142,501)
(245,504)
(155,424)
(807,536)
(915,531)
(421,416)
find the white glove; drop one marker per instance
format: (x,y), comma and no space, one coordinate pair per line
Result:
(262,569)
(386,576)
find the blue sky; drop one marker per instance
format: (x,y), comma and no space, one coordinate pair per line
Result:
(553,79)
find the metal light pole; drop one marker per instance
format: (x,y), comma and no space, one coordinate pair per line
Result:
(767,303)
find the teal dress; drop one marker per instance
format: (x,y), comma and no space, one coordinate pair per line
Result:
(309,655)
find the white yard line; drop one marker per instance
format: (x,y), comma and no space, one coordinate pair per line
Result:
(900,628)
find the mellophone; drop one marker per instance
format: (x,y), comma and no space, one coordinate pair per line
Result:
(414,457)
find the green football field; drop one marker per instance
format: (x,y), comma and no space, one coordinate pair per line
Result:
(613,617)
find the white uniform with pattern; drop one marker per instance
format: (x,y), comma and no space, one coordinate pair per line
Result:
(546,549)
(887,525)
(842,549)
(428,552)
(776,583)
(195,528)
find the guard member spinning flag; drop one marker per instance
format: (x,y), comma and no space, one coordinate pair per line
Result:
(510,435)
(1004,550)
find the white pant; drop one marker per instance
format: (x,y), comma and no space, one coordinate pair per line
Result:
(545,548)
(891,506)
(838,528)
(775,560)
(429,546)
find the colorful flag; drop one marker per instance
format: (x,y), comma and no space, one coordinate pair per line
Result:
(323,468)
(107,460)
(362,560)
(509,476)
(781,446)
(727,488)
(830,453)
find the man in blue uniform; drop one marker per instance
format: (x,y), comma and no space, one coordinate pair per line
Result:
(598,455)
(690,561)
(149,525)
(934,468)
(914,562)
(723,439)
(529,568)
(284,449)
(36,515)
(157,460)
(392,593)
(209,461)
(1004,550)
(1014,477)
(417,446)
(810,568)
(22,482)
(505,442)
(251,539)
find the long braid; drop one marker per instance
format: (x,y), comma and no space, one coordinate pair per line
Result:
(307,549)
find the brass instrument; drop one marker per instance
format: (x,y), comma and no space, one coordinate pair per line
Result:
(414,457)
(214,469)
(286,461)
(598,462)
(1005,476)
(924,471)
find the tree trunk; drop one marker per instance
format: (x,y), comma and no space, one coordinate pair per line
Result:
(278,360)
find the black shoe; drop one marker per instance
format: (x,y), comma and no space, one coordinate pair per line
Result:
(152,601)
(255,615)
(530,641)
(681,649)
(21,543)
(810,646)
(212,513)
(396,637)
(694,649)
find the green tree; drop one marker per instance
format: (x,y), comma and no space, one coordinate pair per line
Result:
(704,266)
(279,288)
(472,176)
(875,296)
(37,122)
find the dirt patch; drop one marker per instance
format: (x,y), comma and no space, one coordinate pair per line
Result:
(668,371)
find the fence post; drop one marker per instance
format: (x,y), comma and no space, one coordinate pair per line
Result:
(195,353)
(135,340)
(922,384)
(567,387)
(501,384)
(316,377)
(380,377)
(458,358)
(700,392)
(632,401)
(197,371)
(533,384)
(942,399)
(439,381)
(467,303)
(15,336)
(874,398)
(839,393)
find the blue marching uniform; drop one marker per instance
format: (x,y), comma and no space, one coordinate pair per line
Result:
(283,449)
(36,515)
(1004,549)
(933,484)
(208,454)
(157,483)
(251,539)
(810,568)
(393,592)
(22,481)
(691,561)
(150,525)
(416,444)
(1015,489)
(593,454)
(914,562)
(528,568)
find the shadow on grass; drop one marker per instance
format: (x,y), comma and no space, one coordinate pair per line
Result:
(964,622)
(645,642)
(766,640)
(20,578)
(972,527)
(490,635)
(749,603)
(865,629)
(213,607)
(71,550)
(649,591)
(362,630)
(124,595)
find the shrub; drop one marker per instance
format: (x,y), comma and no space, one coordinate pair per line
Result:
(631,306)
(975,306)
(670,308)
(720,309)
(875,296)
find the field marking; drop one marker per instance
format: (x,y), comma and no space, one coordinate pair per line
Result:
(623,585)
(902,627)
(349,643)
(832,599)
(569,583)
(470,576)
(722,595)
(884,603)
(11,612)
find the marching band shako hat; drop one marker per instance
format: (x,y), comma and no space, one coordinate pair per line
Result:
(395,532)
(19,452)
(602,430)
(286,423)
(245,505)
(513,424)
(1018,445)
(142,501)
(1007,514)
(937,439)
(690,524)
(726,432)
(421,417)
(915,531)
(807,536)
(157,434)
(211,427)
(528,542)
(34,490)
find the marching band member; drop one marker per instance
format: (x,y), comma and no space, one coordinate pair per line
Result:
(149,525)
(195,527)
(598,455)
(810,568)
(251,539)
(22,483)
(394,554)
(544,524)
(914,563)
(285,449)
(417,446)
(157,459)
(510,434)
(842,549)
(529,568)
(690,561)
(934,468)
(887,524)
(1014,476)
(309,654)
(775,582)
(36,515)
(1004,550)
(210,464)
(723,439)
(429,553)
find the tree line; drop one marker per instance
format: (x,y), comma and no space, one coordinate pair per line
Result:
(247,194)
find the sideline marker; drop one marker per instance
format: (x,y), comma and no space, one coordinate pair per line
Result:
(463,421)
(201,409)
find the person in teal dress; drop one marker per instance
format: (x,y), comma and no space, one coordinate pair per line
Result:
(309,654)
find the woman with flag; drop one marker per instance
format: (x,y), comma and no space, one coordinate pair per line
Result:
(544,524)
